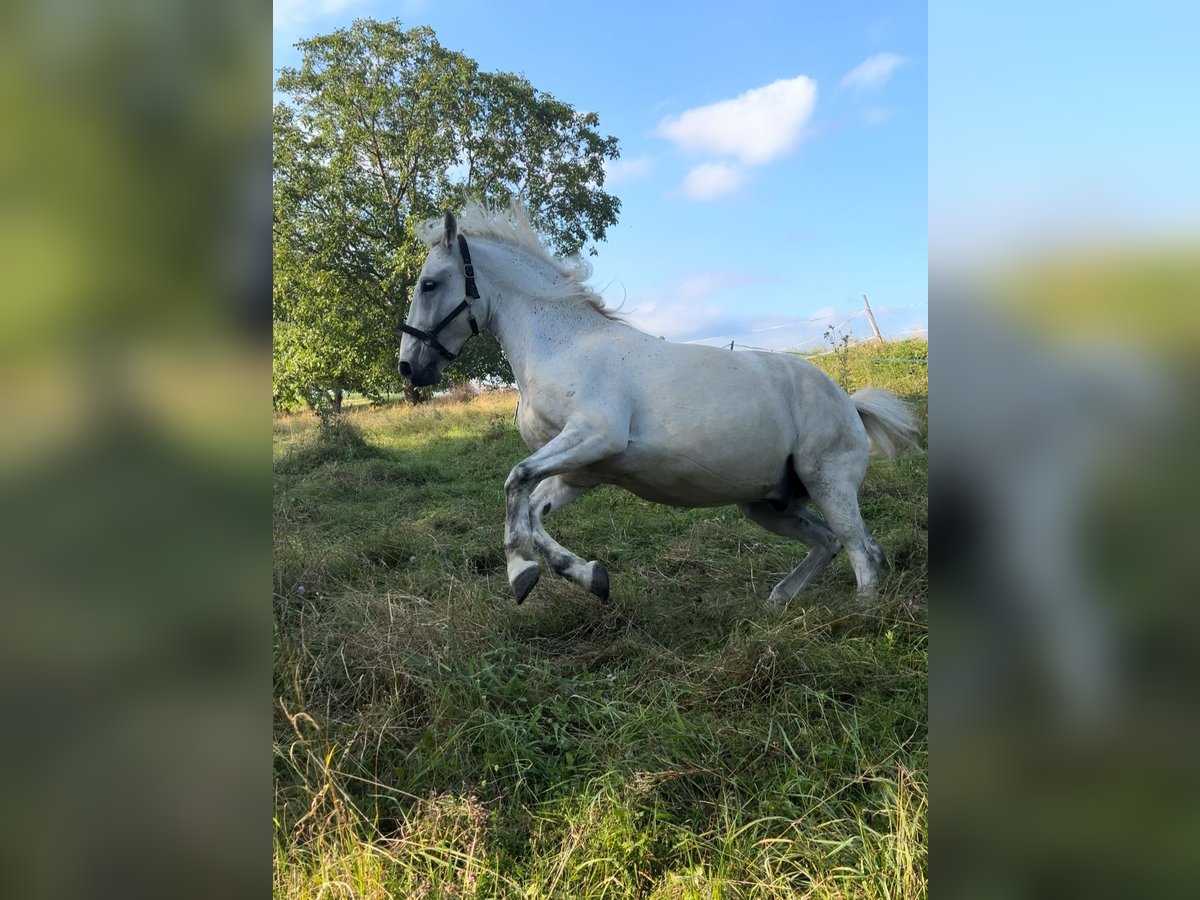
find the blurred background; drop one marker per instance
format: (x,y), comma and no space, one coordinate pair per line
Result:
(1064,219)
(134,446)
(1064,227)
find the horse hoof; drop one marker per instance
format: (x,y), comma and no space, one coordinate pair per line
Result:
(599,581)
(524,581)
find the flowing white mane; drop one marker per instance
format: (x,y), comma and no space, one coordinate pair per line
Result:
(511,226)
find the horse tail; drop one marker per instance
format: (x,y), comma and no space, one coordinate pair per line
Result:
(888,421)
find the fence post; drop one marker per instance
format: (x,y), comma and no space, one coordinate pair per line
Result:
(871,319)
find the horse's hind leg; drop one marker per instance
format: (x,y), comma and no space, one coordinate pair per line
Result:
(796,523)
(552,494)
(838,501)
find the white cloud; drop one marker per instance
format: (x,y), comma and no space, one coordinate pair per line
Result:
(707,307)
(688,308)
(622,171)
(679,320)
(717,318)
(708,181)
(873,72)
(756,127)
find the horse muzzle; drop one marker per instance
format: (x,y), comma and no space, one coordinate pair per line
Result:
(420,376)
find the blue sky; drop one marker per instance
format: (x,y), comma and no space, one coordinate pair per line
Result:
(773,155)
(1055,126)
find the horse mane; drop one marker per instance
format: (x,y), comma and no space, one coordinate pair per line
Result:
(511,226)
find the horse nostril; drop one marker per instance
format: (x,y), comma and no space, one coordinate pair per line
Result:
(405,369)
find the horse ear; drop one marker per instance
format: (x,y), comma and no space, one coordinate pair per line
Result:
(449,230)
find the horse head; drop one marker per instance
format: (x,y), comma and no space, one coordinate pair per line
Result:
(446,276)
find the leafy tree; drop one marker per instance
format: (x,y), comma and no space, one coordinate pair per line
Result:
(378,129)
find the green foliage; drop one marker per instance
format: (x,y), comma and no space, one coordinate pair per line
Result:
(680,740)
(900,366)
(378,129)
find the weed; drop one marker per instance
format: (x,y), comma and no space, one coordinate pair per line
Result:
(839,344)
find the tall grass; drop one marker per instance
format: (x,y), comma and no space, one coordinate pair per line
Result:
(682,740)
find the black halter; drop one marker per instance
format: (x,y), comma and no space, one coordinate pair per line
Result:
(430,337)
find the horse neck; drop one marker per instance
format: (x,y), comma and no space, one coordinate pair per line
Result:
(526,312)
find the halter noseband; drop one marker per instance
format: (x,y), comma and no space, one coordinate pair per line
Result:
(472,293)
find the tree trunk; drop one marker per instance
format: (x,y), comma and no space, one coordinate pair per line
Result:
(337,401)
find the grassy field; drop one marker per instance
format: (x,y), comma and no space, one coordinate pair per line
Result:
(682,740)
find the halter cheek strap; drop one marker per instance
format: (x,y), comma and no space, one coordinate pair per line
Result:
(472,293)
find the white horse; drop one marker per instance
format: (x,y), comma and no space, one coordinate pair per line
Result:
(604,403)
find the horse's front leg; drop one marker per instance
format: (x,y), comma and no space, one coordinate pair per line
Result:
(582,442)
(551,495)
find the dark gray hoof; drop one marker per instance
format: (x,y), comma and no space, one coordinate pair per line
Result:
(599,583)
(524,583)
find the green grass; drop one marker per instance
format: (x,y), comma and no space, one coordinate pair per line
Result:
(682,740)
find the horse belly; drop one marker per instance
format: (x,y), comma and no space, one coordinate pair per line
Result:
(688,479)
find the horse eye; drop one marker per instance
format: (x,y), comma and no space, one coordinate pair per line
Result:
(428,285)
